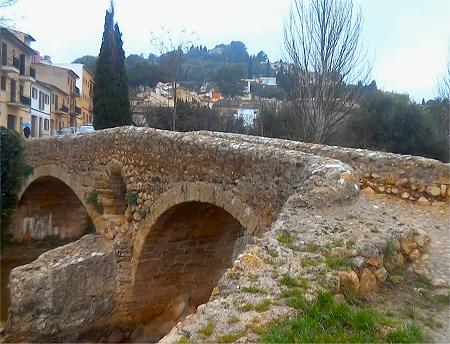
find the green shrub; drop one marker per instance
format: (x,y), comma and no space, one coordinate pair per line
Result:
(131,198)
(13,171)
(92,199)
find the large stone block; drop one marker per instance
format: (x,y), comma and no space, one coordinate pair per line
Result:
(65,291)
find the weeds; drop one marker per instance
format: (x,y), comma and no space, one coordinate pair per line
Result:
(131,198)
(92,199)
(208,329)
(324,320)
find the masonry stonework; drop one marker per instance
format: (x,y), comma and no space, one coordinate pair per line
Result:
(171,209)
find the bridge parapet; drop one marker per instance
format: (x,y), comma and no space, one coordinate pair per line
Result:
(151,162)
(406,176)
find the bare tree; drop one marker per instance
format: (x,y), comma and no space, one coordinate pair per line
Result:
(327,64)
(173,58)
(444,83)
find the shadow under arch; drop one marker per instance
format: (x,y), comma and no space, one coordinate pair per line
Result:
(48,207)
(186,252)
(184,246)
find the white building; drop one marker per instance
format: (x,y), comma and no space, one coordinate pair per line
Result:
(40,110)
(248,115)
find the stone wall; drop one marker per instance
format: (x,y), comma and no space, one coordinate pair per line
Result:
(243,184)
(409,177)
(64,291)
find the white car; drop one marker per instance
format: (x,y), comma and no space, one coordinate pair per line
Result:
(66,131)
(84,129)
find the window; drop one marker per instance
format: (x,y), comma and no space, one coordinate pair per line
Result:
(47,99)
(4,83)
(53,98)
(11,122)
(34,93)
(56,102)
(4,54)
(41,100)
(46,124)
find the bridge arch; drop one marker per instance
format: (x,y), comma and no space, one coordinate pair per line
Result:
(52,203)
(187,242)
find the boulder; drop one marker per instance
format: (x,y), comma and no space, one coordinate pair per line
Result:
(368,282)
(433,190)
(381,274)
(349,281)
(375,260)
(423,201)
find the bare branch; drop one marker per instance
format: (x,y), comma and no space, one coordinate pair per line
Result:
(322,44)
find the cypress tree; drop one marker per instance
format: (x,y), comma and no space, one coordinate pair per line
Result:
(111,102)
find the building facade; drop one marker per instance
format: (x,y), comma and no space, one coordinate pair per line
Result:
(40,110)
(65,80)
(17,77)
(86,86)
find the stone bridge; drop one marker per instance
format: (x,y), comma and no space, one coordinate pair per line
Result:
(169,212)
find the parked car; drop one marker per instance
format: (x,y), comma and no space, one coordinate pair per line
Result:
(66,131)
(84,129)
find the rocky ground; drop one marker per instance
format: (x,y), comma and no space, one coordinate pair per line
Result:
(345,249)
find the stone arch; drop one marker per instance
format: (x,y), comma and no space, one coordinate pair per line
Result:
(51,203)
(187,242)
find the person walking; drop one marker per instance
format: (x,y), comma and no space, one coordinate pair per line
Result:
(26,129)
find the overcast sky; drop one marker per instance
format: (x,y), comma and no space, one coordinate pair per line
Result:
(407,39)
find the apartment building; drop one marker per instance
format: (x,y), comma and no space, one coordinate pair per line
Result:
(40,110)
(65,80)
(86,86)
(17,77)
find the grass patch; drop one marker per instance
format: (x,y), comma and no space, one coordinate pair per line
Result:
(339,243)
(207,330)
(432,323)
(410,312)
(325,321)
(263,306)
(349,244)
(288,281)
(338,263)
(312,248)
(254,290)
(306,262)
(411,333)
(184,340)
(234,319)
(246,307)
(375,230)
(286,239)
(230,338)
(272,252)
(423,281)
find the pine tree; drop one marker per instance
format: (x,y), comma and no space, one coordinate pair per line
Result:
(111,102)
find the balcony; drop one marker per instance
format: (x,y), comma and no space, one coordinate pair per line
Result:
(25,100)
(28,77)
(77,110)
(11,68)
(63,110)
(19,101)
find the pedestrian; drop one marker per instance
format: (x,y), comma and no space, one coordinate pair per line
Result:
(26,130)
